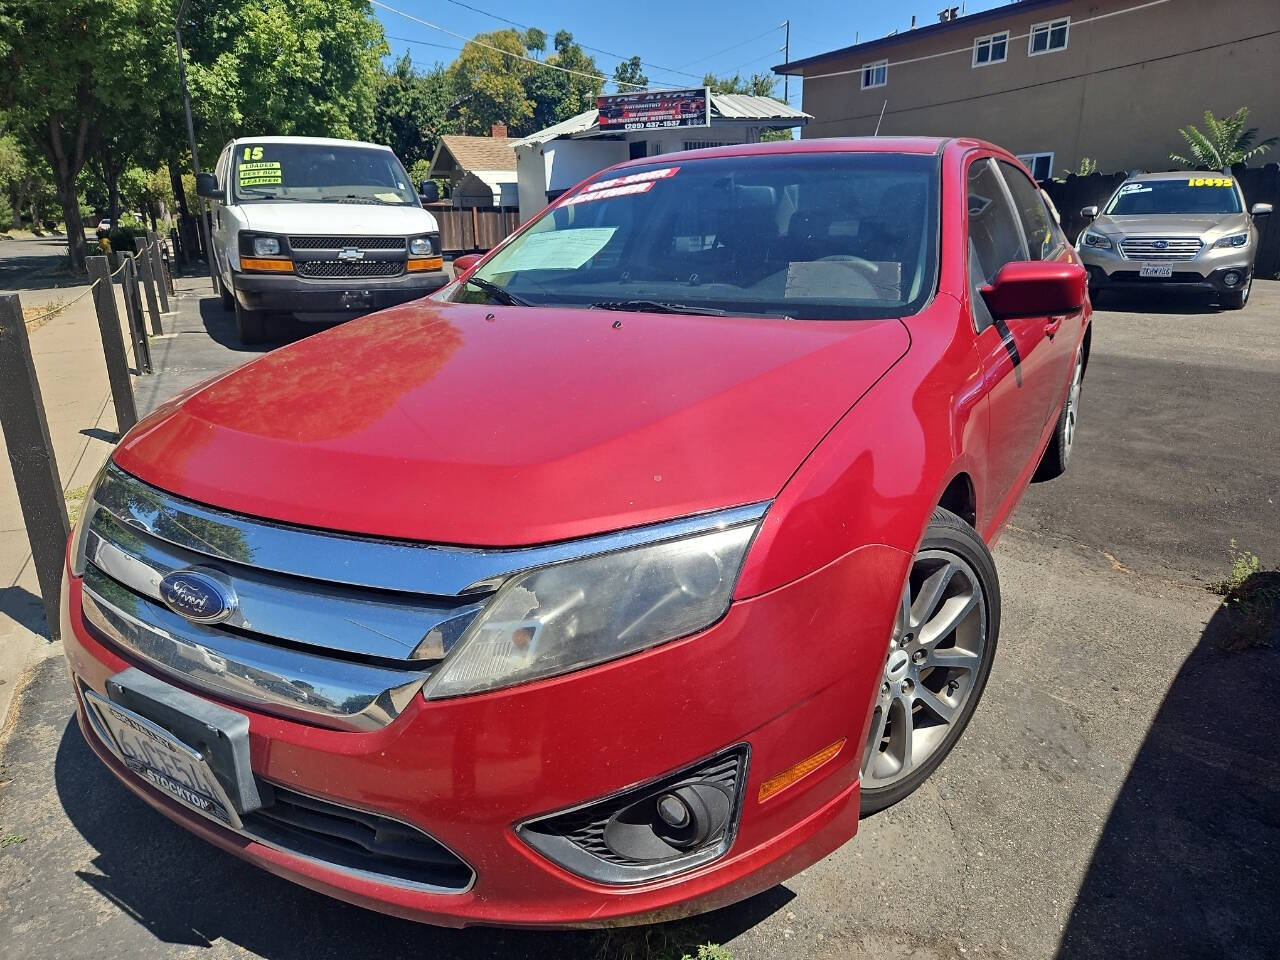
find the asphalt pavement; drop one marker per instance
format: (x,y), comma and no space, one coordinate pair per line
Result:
(23,260)
(1116,793)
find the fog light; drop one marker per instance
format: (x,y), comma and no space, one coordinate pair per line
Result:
(1231,278)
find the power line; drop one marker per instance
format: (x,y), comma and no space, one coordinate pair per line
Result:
(505,53)
(712,56)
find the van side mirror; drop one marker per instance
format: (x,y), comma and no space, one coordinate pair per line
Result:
(429,191)
(1089,213)
(207,186)
(1261,209)
(465,262)
(1036,288)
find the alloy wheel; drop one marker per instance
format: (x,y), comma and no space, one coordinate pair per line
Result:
(932,669)
(1073,406)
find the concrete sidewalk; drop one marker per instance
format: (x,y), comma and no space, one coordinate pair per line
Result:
(68,355)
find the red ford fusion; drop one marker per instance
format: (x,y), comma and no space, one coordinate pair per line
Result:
(616,580)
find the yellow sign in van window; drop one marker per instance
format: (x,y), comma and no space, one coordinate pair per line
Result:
(261,173)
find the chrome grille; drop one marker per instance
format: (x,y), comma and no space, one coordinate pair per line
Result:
(1161,248)
(335,269)
(339,242)
(332,629)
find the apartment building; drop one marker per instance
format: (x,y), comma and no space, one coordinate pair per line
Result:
(1057,80)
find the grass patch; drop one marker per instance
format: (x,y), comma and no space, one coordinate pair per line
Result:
(9,839)
(75,503)
(1251,599)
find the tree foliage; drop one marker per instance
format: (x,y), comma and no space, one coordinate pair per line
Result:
(489,77)
(629,75)
(756,85)
(1224,142)
(414,110)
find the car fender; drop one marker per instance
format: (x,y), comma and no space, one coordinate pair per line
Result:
(878,474)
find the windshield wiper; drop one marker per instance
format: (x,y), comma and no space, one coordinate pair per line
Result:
(499,293)
(656,306)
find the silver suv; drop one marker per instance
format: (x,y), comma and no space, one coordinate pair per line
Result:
(1183,230)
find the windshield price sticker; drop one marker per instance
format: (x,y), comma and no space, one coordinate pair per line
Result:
(648,176)
(623,191)
(261,173)
(1209,182)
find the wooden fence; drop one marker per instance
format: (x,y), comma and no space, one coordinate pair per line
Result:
(1260,185)
(471,229)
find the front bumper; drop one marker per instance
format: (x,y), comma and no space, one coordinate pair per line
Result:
(293,294)
(1109,268)
(467,771)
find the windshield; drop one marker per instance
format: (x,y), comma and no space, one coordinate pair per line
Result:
(326,173)
(1190,195)
(831,236)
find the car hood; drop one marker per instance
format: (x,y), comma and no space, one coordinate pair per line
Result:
(504,426)
(1209,226)
(363,219)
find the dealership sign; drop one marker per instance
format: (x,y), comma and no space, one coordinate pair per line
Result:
(655,110)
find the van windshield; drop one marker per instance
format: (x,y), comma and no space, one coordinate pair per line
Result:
(320,173)
(1194,194)
(821,235)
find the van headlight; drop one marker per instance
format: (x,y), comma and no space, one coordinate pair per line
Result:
(1235,240)
(420,247)
(266,246)
(567,616)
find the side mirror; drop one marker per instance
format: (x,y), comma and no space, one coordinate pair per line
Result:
(1036,288)
(1089,213)
(1261,209)
(465,263)
(429,191)
(207,186)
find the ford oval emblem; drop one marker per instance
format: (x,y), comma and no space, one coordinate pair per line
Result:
(198,596)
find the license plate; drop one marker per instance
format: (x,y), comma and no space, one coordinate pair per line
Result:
(164,761)
(1156,270)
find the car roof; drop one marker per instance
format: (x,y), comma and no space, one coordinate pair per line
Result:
(1175,175)
(312,141)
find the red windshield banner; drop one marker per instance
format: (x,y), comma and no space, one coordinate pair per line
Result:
(655,110)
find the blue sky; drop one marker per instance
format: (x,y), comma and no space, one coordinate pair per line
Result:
(682,36)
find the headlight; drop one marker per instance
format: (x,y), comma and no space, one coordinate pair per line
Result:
(420,246)
(1091,239)
(265,246)
(1235,240)
(567,616)
(80,532)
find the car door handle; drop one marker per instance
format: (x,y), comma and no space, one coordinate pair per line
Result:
(1051,326)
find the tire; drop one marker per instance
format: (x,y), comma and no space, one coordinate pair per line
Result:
(1058,454)
(1236,299)
(939,658)
(251,325)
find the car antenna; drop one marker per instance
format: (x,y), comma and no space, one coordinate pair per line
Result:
(878,122)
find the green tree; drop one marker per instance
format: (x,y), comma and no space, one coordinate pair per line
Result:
(489,79)
(629,75)
(70,65)
(1225,141)
(535,41)
(413,110)
(756,85)
(559,94)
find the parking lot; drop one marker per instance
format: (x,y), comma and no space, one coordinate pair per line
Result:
(1116,793)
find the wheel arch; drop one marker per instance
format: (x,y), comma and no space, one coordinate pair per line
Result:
(960,497)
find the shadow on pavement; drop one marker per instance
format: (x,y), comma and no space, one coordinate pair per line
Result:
(220,324)
(184,891)
(1188,864)
(24,608)
(1158,301)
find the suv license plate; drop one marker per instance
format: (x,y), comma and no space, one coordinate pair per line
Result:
(163,760)
(1156,270)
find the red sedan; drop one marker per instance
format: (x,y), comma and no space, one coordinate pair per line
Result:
(617,579)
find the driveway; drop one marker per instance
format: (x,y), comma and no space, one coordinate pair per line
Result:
(1116,794)
(22,260)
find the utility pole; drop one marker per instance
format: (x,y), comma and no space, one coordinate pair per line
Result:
(786,58)
(191,136)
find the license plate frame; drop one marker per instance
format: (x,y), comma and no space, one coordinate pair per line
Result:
(1156,271)
(159,758)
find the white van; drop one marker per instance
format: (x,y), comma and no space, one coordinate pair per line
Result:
(323,229)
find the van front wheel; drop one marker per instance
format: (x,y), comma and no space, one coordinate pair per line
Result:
(251,325)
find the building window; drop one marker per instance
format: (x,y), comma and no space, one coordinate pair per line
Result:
(875,74)
(992,49)
(1048,37)
(1040,165)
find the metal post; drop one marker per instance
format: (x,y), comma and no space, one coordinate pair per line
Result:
(104,300)
(178,250)
(133,308)
(157,269)
(143,260)
(191,137)
(786,58)
(35,469)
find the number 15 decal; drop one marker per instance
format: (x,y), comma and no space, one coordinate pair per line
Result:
(252,153)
